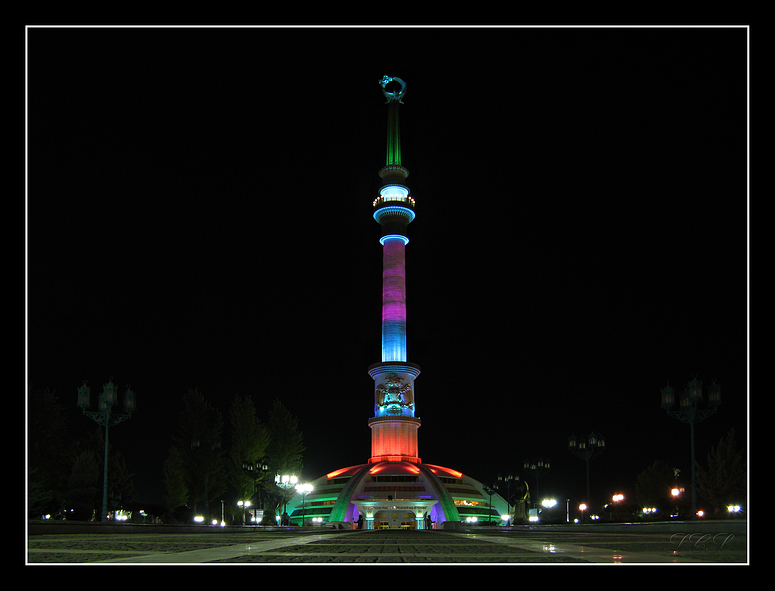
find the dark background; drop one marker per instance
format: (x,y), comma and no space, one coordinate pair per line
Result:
(199,216)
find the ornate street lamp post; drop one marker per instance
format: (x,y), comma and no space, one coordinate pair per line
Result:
(490,490)
(537,469)
(688,412)
(285,482)
(303,490)
(107,416)
(255,471)
(508,480)
(586,449)
(244,505)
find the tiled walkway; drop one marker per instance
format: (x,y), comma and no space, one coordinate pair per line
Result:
(391,546)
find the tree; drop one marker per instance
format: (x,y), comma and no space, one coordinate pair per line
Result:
(723,482)
(175,487)
(49,456)
(121,488)
(250,439)
(199,445)
(286,444)
(653,485)
(84,487)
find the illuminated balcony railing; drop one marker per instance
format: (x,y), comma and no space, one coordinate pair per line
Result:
(394,200)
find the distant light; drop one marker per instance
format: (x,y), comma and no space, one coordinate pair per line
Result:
(675,492)
(199,519)
(734,508)
(582,507)
(548,503)
(617,497)
(700,513)
(534,518)
(471,519)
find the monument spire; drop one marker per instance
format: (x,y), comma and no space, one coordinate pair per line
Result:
(394,425)
(394,130)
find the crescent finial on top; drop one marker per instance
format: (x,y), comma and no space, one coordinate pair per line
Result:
(393,96)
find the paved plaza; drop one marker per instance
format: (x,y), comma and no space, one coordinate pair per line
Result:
(332,547)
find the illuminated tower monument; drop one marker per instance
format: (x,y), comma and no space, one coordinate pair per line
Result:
(394,425)
(394,488)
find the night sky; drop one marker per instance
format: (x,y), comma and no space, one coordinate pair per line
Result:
(199,216)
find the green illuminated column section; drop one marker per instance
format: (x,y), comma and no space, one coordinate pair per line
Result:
(393,136)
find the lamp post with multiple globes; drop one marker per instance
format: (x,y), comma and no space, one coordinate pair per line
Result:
(586,449)
(285,482)
(107,416)
(689,412)
(537,469)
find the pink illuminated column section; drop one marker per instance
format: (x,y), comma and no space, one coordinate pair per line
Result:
(393,298)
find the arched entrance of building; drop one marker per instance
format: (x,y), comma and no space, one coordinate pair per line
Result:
(395,519)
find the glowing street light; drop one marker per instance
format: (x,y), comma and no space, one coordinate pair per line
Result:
(618,497)
(303,490)
(285,482)
(244,505)
(582,508)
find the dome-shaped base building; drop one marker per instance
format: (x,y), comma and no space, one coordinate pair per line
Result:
(389,495)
